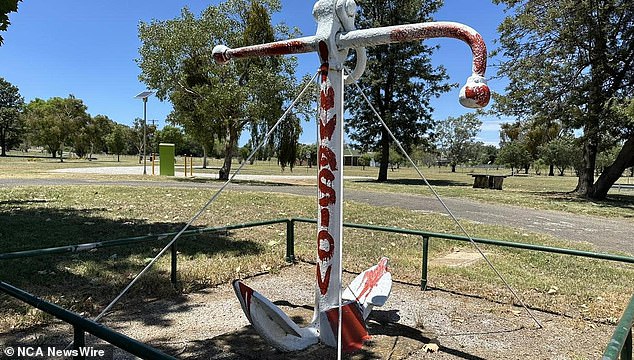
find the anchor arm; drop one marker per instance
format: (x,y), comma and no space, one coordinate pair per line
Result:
(475,94)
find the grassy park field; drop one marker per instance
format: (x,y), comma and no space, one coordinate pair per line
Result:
(38,216)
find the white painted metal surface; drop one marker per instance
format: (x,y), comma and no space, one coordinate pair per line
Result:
(334,38)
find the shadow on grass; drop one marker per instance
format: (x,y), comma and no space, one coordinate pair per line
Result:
(23,202)
(415,182)
(202,180)
(86,282)
(616,201)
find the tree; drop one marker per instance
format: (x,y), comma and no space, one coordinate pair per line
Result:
(572,60)
(92,135)
(6,7)
(286,141)
(137,140)
(515,155)
(486,154)
(173,135)
(10,121)
(561,153)
(364,160)
(214,101)
(117,139)
(399,81)
(54,122)
(308,152)
(455,137)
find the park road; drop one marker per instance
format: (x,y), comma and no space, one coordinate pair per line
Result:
(604,233)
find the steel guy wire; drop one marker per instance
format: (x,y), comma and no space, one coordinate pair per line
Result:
(211,200)
(449,212)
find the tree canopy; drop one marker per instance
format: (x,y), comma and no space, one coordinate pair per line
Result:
(455,137)
(11,103)
(399,81)
(210,101)
(571,61)
(6,7)
(54,122)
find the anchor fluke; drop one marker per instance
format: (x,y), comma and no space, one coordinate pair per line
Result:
(271,323)
(475,94)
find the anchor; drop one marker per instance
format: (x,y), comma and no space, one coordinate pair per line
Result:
(336,313)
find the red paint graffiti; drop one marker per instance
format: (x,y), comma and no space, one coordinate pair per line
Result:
(371,278)
(327,164)
(434,30)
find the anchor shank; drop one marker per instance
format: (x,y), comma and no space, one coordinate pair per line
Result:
(420,31)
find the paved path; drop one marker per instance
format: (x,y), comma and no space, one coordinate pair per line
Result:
(605,234)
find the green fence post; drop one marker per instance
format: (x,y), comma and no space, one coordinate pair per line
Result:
(290,240)
(423,279)
(626,352)
(79,341)
(173,274)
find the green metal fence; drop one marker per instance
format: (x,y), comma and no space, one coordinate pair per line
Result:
(82,325)
(621,342)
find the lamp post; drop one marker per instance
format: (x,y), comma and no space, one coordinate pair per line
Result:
(144,95)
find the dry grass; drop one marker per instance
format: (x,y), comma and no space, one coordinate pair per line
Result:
(36,217)
(537,192)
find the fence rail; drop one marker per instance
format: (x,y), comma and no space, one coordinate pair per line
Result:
(82,325)
(621,342)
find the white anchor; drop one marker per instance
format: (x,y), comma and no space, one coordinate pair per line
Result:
(335,37)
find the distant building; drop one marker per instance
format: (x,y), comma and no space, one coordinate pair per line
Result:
(351,157)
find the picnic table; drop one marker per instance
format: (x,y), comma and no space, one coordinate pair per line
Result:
(484,181)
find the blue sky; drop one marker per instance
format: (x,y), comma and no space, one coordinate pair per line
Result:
(87,48)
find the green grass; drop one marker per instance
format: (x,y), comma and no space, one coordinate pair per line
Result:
(35,217)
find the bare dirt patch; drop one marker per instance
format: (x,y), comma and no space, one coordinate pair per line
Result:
(458,258)
(209,324)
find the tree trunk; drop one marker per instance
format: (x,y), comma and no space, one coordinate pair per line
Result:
(3,142)
(551,171)
(385,156)
(204,157)
(453,168)
(118,155)
(231,141)
(585,184)
(612,173)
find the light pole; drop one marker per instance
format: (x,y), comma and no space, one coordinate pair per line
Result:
(144,95)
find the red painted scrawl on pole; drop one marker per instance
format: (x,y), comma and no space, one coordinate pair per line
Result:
(335,37)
